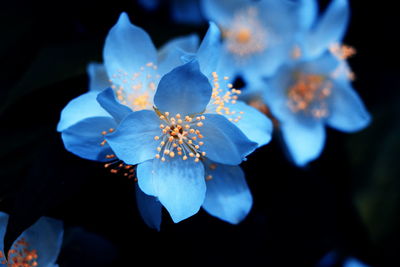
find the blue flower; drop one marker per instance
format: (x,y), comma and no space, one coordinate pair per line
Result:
(314,89)
(130,63)
(39,245)
(171,143)
(257,35)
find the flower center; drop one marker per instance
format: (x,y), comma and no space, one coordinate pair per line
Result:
(246,35)
(20,255)
(308,95)
(223,99)
(180,137)
(136,90)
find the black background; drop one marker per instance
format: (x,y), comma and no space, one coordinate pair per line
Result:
(346,201)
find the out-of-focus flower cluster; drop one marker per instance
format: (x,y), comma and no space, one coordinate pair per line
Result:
(173,120)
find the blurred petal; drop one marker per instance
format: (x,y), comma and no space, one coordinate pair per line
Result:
(3,227)
(254,124)
(308,13)
(80,108)
(98,79)
(85,138)
(108,101)
(353,262)
(223,141)
(330,29)
(149,208)
(149,4)
(178,184)
(348,113)
(228,196)
(185,90)
(209,50)
(304,139)
(133,141)
(127,48)
(170,54)
(45,236)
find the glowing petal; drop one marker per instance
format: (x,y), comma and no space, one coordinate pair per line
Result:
(80,108)
(127,48)
(86,139)
(185,90)
(178,184)
(133,141)
(228,196)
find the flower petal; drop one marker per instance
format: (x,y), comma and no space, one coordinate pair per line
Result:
(348,113)
(85,138)
(127,48)
(184,90)
(80,108)
(304,139)
(45,236)
(108,101)
(149,208)
(133,141)
(308,12)
(3,227)
(254,124)
(170,54)
(228,196)
(98,78)
(223,141)
(209,48)
(330,28)
(178,184)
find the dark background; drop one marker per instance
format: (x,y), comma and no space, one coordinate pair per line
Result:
(347,201)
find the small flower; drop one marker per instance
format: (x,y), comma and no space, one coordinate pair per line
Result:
(130,69)
(39,245)
(257,35)
(171,143)
(314,89)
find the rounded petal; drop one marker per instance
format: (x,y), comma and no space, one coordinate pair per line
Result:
(223,141)
(98,78)
(184,90)
(3,227)
(80,108)
(330,28)
(254,124)
(127,48)
(228,197)
(133,141)
(45,236)
(170,54)
(347,112)
(178,184)
(86,140)
(149,208)
(209,48)
(304,139)
(108,102)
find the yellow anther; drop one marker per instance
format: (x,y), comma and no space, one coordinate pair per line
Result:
(184,157)
(157,156)
(209,177)
(172,154)
(203,154)
(191,154)
(199,124)
(196,160)
(156,137)
(158,149)
(201,143)
(162,159)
